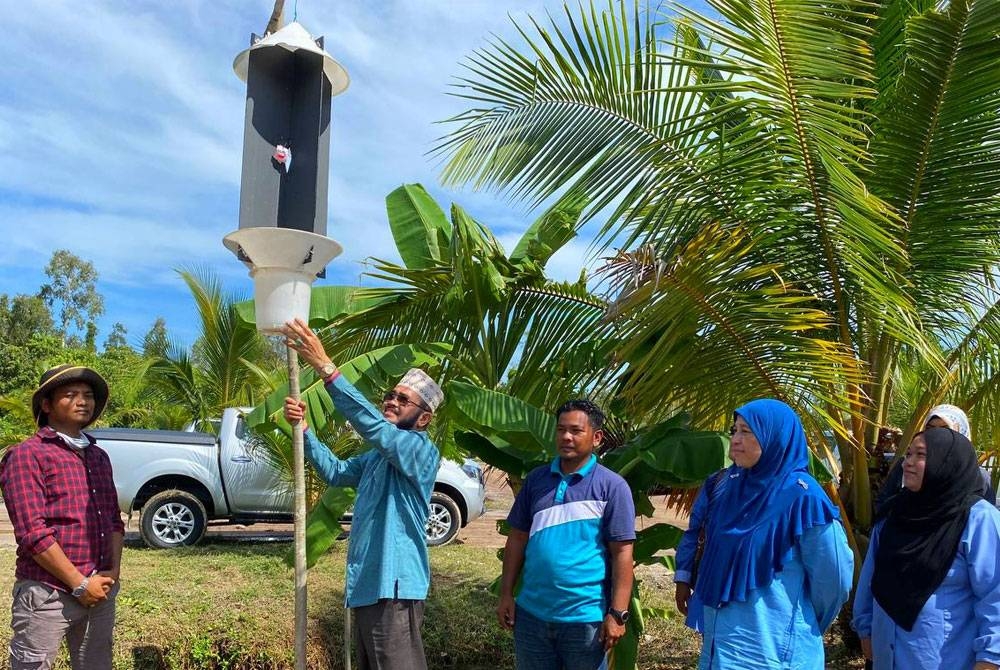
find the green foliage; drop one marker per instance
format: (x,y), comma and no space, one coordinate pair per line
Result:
(118,338)
(23,317)
(222,368)
(71,291)
(156,343)
(526,430)
(419,226)
(371,373)
(806,195)
(22,365)
(132,403)
(323,524)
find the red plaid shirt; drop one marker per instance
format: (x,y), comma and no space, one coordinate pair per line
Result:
(57,494)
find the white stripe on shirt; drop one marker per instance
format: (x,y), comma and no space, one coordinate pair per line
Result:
(581,510)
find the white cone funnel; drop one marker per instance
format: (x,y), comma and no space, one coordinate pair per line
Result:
(283,264)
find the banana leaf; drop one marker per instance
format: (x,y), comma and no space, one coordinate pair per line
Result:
(420,228)
(326,304)
(323,524)
(525,428)
(371,373)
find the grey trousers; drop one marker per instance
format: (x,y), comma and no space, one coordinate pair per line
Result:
(42,616)
(387,635)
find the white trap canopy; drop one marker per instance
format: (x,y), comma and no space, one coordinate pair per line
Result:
(283,264)
(294,37)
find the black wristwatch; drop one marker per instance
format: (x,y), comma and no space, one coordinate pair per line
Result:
(621,616)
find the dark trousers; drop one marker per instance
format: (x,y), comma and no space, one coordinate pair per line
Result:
(387,635)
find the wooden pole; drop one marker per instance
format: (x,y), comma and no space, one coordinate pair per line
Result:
(277,20)
(348,637)
(298,456)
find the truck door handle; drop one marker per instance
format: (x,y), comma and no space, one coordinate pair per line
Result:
(241,459)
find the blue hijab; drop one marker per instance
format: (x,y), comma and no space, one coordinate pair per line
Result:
(763,510)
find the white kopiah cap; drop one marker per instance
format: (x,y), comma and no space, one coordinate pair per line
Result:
(423,386)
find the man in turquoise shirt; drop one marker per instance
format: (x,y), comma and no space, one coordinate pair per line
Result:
(388,572)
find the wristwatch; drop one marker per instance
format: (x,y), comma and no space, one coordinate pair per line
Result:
(328,369)
(82,588)
(621,616)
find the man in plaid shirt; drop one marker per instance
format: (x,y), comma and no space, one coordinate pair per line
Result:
(60,495)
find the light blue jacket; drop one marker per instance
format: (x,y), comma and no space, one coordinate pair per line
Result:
(959,624)
(781,626)
(387,552)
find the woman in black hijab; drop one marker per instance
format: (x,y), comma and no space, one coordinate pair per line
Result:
(929,593)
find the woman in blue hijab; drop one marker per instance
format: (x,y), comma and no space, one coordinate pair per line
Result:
(777,566)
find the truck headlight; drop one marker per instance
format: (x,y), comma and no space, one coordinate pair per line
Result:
(473,471)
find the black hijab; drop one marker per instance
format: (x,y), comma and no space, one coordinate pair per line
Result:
(922,530)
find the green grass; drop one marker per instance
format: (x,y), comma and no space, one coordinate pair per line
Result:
(230,606)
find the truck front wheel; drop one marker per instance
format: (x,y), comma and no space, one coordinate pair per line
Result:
(443,520)
(171,519)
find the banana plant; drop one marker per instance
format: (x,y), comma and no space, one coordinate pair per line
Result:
(459,306)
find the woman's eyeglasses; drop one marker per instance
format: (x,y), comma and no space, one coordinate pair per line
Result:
(403,400)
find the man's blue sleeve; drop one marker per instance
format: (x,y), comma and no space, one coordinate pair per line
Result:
(519,516)
(331,469)
(410,452)
(688,545)
(829,565)
(619,514)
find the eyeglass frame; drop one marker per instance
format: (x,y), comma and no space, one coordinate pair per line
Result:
(403,401)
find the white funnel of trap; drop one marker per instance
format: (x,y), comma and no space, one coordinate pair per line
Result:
(283,264)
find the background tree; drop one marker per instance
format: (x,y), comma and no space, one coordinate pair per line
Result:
(222,369)
(22,317)
(26,337)
(71,291)
(118,337)
(134,402)
(806,196)
(156,343)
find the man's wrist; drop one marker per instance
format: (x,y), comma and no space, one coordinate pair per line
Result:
(81,588)
(326,369)
(621,616)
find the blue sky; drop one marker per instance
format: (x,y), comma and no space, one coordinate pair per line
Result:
(122,127)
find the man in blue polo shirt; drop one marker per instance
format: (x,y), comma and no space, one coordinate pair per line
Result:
(571,532)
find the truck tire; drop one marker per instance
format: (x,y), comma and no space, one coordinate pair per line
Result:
(443,521)
(171,519)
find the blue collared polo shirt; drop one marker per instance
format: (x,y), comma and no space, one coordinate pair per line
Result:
(570,519)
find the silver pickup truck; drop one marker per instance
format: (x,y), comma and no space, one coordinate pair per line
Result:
(182,480)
